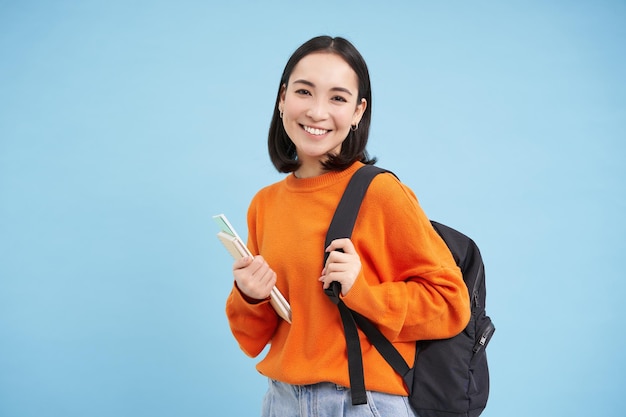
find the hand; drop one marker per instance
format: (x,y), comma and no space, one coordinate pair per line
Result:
(254,277)
(343,267)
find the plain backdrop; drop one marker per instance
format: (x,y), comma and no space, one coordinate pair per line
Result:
(125,125)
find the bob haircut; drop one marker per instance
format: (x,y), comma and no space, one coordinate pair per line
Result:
(282,150)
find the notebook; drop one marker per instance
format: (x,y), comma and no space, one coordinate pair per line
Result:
(238,249)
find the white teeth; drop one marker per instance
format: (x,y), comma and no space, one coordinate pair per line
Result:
(313,131)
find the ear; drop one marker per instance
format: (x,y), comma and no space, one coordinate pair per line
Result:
(281,96)
(358,112)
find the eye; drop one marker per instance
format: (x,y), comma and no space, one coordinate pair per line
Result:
(303,92)
(339,99)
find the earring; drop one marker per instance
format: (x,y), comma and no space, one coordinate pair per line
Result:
(280,113)
(354,127)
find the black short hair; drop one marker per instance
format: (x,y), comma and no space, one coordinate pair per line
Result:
(282,150)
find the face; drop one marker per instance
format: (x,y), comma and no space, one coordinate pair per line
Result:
(320,103)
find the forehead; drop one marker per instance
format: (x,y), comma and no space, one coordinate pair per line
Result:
(325,68)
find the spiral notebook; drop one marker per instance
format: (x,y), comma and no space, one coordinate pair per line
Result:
(235,246)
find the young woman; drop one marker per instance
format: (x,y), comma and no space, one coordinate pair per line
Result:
(395,270)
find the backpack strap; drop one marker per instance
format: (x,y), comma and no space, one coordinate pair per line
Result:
(343,221)
(341,226)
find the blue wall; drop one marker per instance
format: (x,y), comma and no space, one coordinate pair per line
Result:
(125,125)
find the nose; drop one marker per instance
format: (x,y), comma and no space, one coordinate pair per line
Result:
(318,110)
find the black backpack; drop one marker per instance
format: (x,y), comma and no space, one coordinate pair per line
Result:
(450,377)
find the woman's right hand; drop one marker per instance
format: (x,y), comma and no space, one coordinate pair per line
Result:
(254,277)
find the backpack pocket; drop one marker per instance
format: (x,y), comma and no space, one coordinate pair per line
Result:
(478,390)
(451,376)
(483,335)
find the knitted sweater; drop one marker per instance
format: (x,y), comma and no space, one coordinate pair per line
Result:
(409,284)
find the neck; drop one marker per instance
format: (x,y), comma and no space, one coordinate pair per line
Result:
(303,172)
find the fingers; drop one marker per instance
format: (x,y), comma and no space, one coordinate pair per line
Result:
(344,244)
(262,272)
(342,256)
(345,277)
(342,272)
(343,265)
(254,277)
(242,262)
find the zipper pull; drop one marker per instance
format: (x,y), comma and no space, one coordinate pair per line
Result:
(475,299)
(484,338)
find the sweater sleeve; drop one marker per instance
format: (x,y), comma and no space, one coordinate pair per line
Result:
(409,283)
(252,324)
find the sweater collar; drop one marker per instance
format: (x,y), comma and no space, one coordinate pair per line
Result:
(321,181)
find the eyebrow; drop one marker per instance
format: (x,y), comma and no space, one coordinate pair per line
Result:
(310,84)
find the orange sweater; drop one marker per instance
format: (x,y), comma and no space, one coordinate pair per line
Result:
(409,284)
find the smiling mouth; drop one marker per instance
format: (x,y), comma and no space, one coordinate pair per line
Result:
(314,131)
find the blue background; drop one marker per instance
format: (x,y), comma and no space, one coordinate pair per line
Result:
(125,125)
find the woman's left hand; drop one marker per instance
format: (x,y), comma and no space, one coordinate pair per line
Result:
(343,267)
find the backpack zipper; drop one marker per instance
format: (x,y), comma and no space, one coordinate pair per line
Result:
(477,282)
(484,337)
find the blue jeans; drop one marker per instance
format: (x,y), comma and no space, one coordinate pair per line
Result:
(329,400)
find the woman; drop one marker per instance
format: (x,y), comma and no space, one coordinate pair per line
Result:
(395,269)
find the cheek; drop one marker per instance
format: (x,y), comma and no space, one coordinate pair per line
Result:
(293,106)
(346,119)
